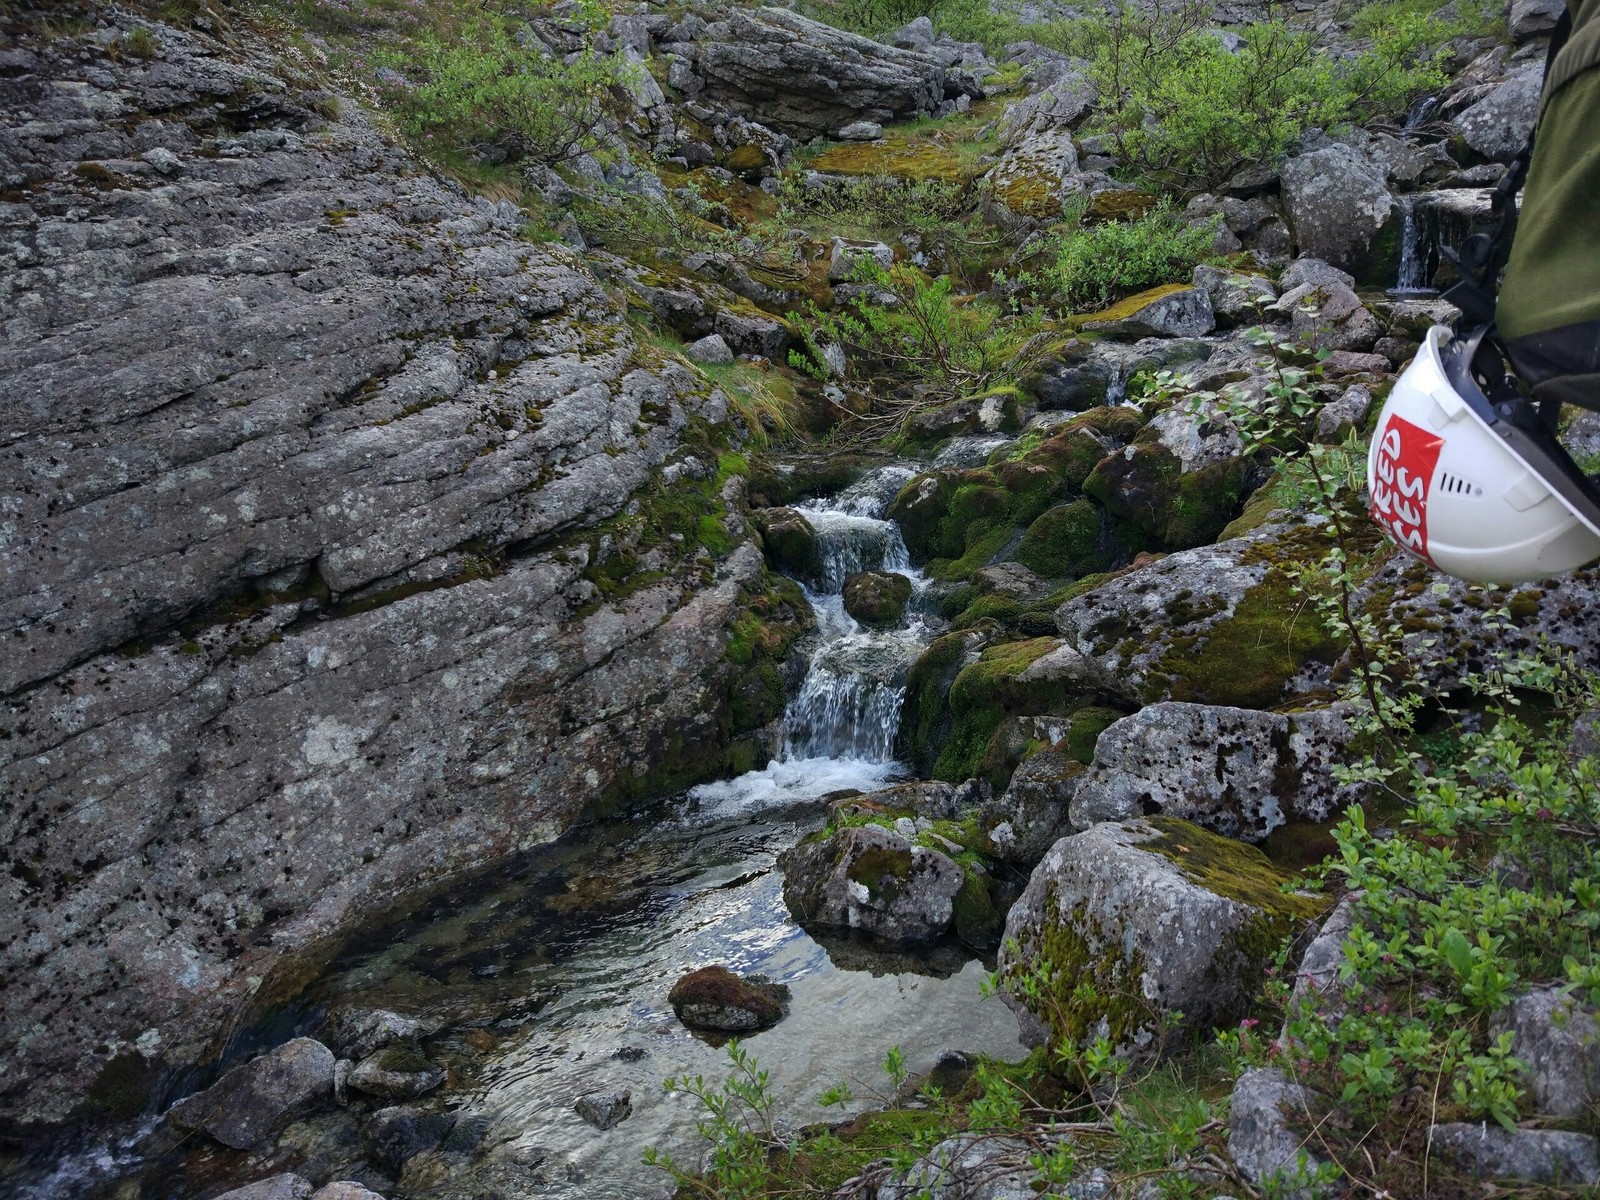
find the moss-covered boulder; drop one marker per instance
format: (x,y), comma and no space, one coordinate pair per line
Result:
(1218,624)
(789,541)
(717,1000)
(877,598)
(1026,678)
(1183,478)
(872,880)
(1239,772)
(1070,541)
(1126,924)
(397,1072)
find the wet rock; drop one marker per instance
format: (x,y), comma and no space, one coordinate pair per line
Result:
(808,79)
(1338,204)
(1330,316)
(397,1072)
(1163,312)
(1236,771)
(718,1000)
(393,1135)
(1140,920)
(1009,579)
(245,1106)
(357,1032)
(1487,1151)
(280,1187)
(931,798)
(709,349)
(877,598)
(1031,815)
(1267,1107)
(344,1189)
(1236,298)
(1558,1039)
(604,1110)
(790,542)
(874,881)
(1497,126)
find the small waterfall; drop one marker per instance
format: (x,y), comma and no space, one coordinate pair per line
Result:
(1420,113)
(1420,236)
(839,729)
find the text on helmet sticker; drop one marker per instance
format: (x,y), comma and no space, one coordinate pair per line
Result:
(1404,466)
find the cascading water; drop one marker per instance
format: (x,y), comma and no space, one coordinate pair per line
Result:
(839,730)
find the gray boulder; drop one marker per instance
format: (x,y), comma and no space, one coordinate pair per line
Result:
(1317,986)
(1032,814)
(396,1072)
(872,880)
(1337,204)
(1172,313)
(1330,316)
(1214,625)
(1497,126)
(356,1032)
(604,1110)
(345,1189)
(1036,174)
(1059,106)
(1344,413)
(709,349)
(1239,772)
(1307,269)
(1558,1039)
(860,131)
(1534,18)
(1264,1115)
(245,1106)
(280,1187)
(1132,922)
(1236,298)
(984,1167)
(1487,1151)
(752,333)
(809,79)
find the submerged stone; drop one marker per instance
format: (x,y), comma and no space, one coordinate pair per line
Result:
(873,881)
(605,1109)
(877,598)
(245,1106)
(396,1072)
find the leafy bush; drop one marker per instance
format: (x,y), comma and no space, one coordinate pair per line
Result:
(1179,103)
(916,330)
(486,87)
(1091,266)
(965,20)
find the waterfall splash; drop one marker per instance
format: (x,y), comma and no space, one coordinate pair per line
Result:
(839,729)
(1419,251)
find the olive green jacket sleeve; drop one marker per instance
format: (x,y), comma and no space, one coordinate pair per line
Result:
(1553,276)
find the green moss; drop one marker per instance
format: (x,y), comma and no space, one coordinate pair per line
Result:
(985,547)
(1085,730)
(1124,309)
(978,919)
(984,693)
(1230,868)
(1064,541)
(925,717)
(122,1089)
(882,870)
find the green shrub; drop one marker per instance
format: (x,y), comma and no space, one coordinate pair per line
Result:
(910,328)
(965,20)
(1091,266)
(485,87)
(1180,105)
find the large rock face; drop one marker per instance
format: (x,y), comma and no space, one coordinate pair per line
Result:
(810,79)
(296,603)
(1338,204)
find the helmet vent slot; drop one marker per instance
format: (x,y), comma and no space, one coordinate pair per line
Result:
(1458,486)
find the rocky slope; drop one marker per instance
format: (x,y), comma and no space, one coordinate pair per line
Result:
(303,573)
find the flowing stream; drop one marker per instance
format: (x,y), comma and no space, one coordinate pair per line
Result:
(551,975)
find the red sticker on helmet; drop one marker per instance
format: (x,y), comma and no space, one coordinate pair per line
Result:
(1404,465)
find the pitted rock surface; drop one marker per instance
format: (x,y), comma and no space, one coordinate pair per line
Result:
(1237,771)
(293,434)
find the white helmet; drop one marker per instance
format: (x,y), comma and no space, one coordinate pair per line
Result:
(1479,490)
